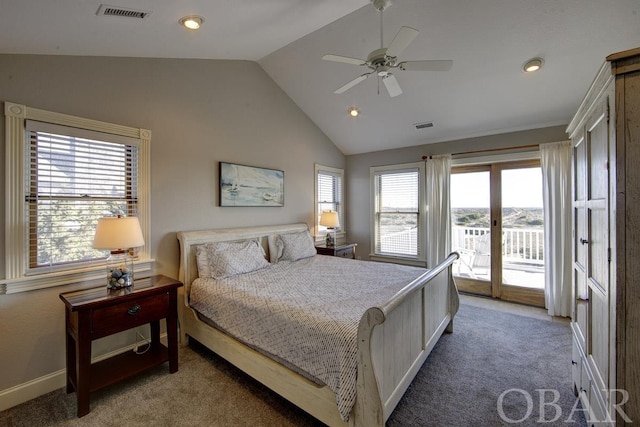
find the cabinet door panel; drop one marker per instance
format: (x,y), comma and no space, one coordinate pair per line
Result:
(579,198)
(598,270)
(599,338)
(598,160)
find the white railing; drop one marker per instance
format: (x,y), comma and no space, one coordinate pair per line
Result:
(519,245)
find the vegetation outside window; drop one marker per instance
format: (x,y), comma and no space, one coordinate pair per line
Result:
(73,181)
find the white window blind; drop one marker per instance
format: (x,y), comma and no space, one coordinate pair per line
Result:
(74,177)
(397,213)
(329,194)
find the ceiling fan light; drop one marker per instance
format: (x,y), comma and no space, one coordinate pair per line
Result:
(192,22)
(534,64)
(353,112)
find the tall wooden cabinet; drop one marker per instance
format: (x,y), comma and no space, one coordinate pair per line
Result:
(606,244)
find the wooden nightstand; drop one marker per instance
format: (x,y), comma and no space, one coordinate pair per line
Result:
(348,250)
(95,313)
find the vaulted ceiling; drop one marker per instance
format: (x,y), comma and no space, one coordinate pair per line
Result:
(485,92)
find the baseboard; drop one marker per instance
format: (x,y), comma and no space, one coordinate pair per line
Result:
(37,387)
(30,390)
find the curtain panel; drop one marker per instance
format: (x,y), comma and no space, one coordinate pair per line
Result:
(438,187)
(555,160)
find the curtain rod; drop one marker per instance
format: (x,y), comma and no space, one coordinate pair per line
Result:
(489,150)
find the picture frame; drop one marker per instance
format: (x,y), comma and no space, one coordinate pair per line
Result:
(242,185)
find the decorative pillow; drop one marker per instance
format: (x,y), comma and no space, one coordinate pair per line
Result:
(225,259)
(202,260)
(294,246)
(275,248)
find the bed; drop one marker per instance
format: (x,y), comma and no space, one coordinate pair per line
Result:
(391,338)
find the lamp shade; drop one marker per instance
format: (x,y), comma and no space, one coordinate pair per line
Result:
(118,233)
(330,219)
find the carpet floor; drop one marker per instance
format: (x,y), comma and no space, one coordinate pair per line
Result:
(496,369)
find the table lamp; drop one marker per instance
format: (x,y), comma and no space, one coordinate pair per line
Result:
(119,234)
(330,220)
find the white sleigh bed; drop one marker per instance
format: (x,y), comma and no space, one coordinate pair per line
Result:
(394,338)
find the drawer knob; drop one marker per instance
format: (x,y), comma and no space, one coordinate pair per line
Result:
(133,310)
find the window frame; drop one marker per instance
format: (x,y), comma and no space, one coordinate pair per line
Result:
(17,275)
(319,233)
(374,172)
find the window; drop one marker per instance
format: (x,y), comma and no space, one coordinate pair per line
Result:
(398,212)
(63,174)
(74,177)
(329,195)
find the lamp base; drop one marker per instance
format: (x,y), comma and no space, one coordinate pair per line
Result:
(119,270)
(330,240)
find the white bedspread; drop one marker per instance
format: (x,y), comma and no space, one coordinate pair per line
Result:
(305,312)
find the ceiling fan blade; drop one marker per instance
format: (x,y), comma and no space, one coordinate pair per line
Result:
(391,83)
(345,59)
(352,83)
(427,65)
(400,42)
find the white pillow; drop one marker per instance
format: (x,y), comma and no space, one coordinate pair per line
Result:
(225,259)
(292,246)
(229,263)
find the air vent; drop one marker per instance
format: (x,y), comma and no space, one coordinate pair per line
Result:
(107,10)
(424,125)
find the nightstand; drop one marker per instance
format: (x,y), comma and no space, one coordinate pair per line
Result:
(97,312)
(347,250)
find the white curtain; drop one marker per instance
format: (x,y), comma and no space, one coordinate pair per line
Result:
(438,187)
(555,160)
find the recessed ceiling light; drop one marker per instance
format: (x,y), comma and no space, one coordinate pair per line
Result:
(534,64)
(192,22)
(353,112)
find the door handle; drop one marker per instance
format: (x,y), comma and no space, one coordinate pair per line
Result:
(583,241)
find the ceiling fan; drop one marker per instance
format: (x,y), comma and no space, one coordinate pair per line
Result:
(382,62)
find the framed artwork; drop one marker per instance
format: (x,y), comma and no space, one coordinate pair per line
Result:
(242,185)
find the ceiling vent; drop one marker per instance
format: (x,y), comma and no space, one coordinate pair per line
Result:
(107,10)
(424,125)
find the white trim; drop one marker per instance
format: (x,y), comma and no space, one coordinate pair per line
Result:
(16,279)
(495,158)
(36,387)
(31,389)
(398,260)
(341,233)
(422,213)
(59,278)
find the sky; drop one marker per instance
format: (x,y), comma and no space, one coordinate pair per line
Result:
(521,188)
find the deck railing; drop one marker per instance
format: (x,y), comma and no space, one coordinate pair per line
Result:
(519,245)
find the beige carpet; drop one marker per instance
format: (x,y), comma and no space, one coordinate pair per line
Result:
(206,391)
(489,352)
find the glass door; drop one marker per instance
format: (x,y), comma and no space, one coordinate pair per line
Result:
(471,228)
(497,228)
(522,231)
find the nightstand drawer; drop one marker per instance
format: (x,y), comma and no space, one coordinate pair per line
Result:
(108,320)
(345,253)
(347,250)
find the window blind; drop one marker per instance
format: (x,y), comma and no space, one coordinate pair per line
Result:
(397,213)
(329,195)
(74,177)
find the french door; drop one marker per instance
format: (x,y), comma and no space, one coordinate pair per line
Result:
(498,229)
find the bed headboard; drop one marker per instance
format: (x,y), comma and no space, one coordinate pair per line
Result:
(189,241)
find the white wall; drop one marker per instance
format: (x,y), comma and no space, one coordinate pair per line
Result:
(200,112)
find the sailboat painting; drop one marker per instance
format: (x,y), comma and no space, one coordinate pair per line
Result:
(242,185)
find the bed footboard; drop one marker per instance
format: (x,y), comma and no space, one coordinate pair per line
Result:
(395,339)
